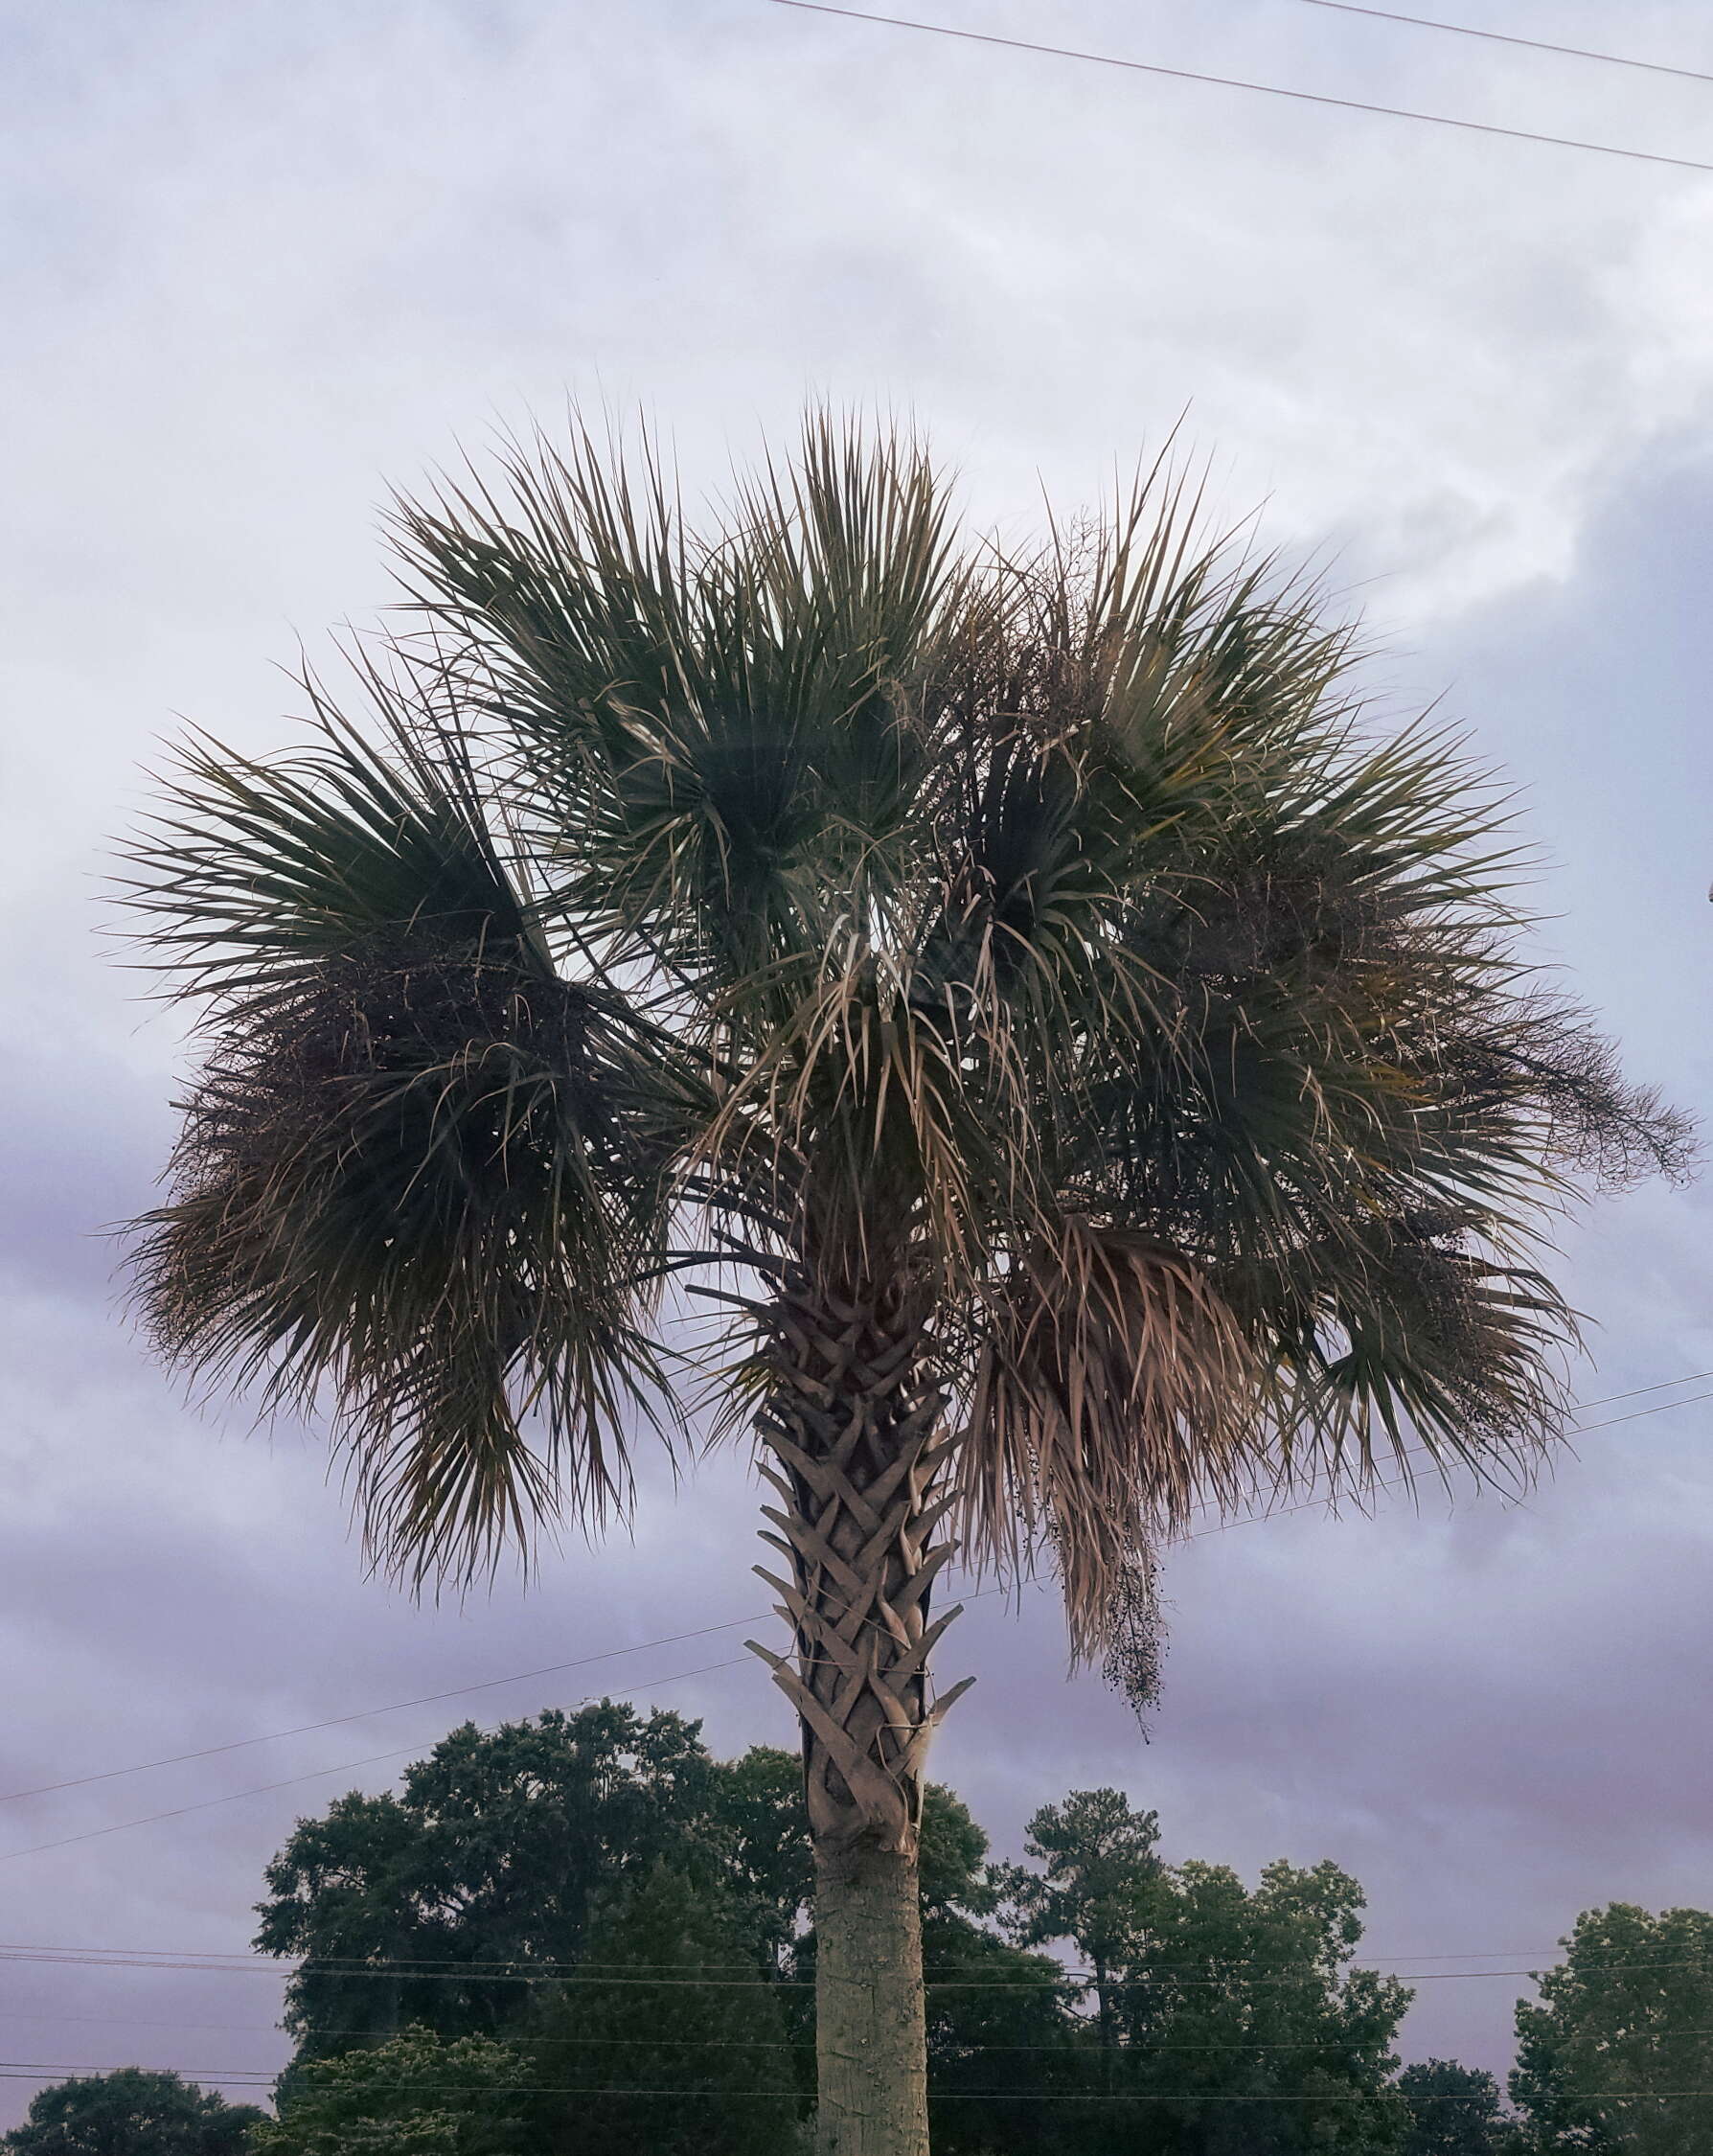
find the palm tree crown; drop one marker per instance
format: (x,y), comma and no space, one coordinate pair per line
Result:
(1089,1067)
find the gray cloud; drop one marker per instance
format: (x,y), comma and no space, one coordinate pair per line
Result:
(265,260)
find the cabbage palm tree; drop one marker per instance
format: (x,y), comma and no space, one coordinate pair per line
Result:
(1080,1071)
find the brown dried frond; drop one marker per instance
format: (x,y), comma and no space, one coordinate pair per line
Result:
(1544,1057)
(1114,1392)
(425,1176)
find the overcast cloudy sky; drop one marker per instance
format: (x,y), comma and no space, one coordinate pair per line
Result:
(257,262)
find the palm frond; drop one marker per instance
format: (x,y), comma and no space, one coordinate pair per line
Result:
(249,872)
(1114,1392)
(418,1170)
(721,730)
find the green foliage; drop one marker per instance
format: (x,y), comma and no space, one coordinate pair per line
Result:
(1227,2017)
(758,1821)
(134,2112)
(1000,2029)
(1624,2023)
(485,1865)
(669,2000)
(503,1847)
(1246,1993)
(1453,2111)
(416,2094)
(607,1847)
(1096,1886)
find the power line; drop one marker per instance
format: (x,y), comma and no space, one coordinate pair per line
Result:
(702,1632)
(1425,1452)
(374,1713)
(1505,37)
(256,2077)
(1635,1392)
(1234,83)
(682,2043)
(263,1789)
(403,1972)
(234,1962)
(292,1781)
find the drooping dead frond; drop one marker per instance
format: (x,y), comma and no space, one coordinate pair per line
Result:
(423,1178)
(1114,1390)
(418,1169)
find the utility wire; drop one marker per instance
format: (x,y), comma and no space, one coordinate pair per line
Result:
(1505,37)
(257,2078)
(207,1803)
(395,1973)
(679,2043)
(242,1964)
(374,1713)
(1234,82)
(701,1632)
(263,1789)
(1425,1452)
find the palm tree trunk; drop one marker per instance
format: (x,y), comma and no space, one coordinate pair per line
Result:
(871,2028)
(853,1418)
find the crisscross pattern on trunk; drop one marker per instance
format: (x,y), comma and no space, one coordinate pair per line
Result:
(854,1422)
(854,1419)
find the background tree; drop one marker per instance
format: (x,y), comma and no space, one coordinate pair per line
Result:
(377,1881)
(1621,2042)
(416,2094)
(1003,2047)
(670,1998)
(135,2112)
(1103,1067)
(1094,1887)
(1454,2110)
(427,1906)
(1246,2025)
(503,1847)
(1235,2025)
(761,1827)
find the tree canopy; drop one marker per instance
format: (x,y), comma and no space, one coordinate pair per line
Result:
(137,2111)
(487,1863)
(1455,2110)
(417,2094)
(670,1998)
(1618,2052)
(1232,2018)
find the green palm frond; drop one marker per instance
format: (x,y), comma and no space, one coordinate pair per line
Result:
(249,872)
(721,730)
(418,1168)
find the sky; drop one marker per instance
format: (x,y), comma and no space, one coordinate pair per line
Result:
(259,264)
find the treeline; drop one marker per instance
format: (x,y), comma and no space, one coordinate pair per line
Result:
(658,1902)
(583,1933)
